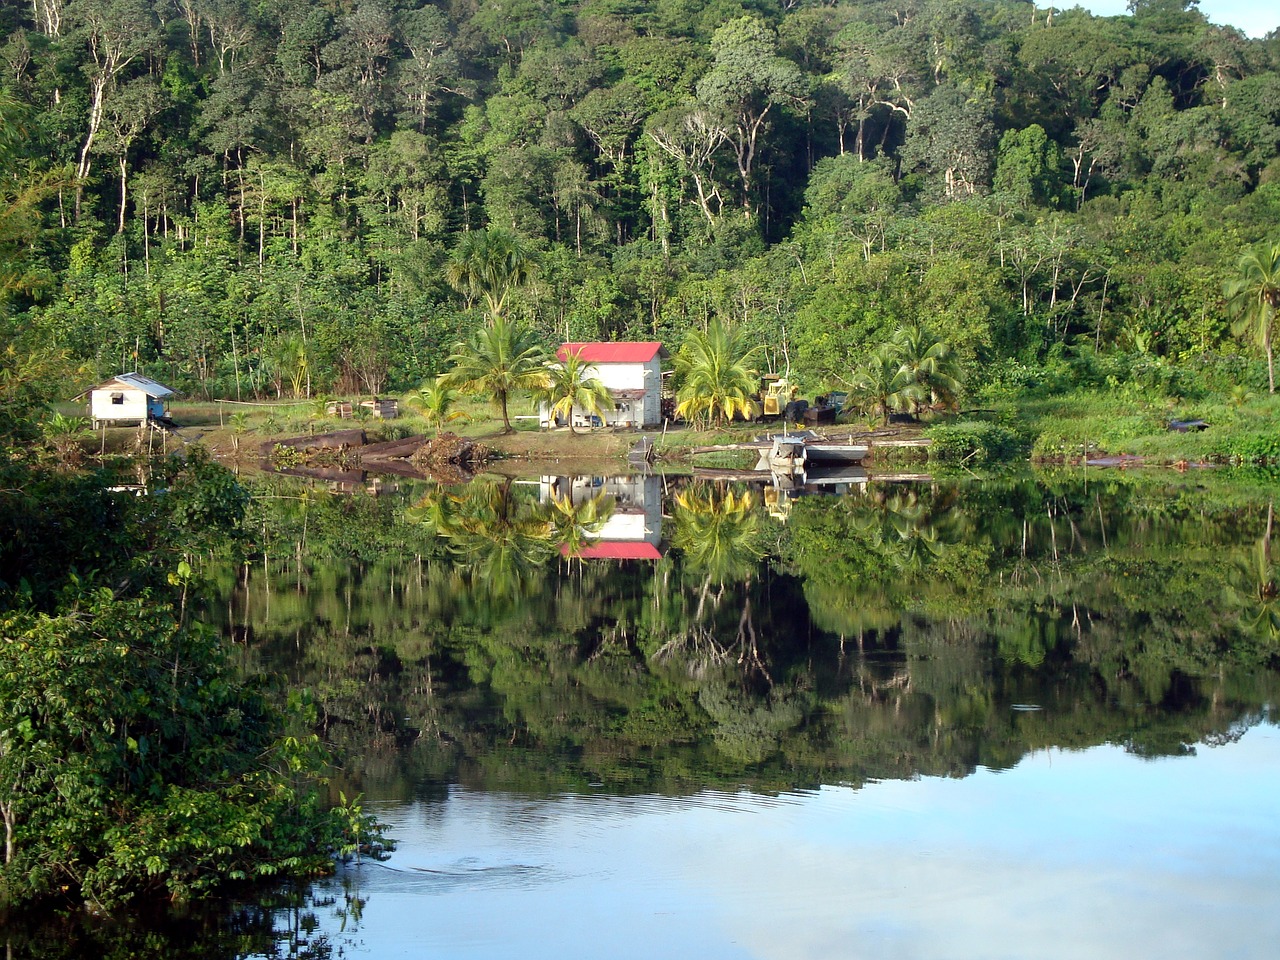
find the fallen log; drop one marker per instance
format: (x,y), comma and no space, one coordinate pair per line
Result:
(336,440)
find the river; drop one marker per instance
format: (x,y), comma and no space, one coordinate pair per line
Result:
(622,717)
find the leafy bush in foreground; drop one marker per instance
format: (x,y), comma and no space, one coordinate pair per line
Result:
(974,442)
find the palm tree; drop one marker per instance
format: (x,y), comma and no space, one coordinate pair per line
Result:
(926,362)
(490,264)
(1254,296)
(881,384)
(500,360)
(572,384)
(435,403)
(717,378)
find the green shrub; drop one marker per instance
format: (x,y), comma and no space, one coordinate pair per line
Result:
(397,431)
(1251,447)
(974,442)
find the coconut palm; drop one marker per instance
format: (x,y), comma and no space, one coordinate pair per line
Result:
(925,361)
(572,384)
(501,359)
(490,264)
(717,378)
(880,384)
(1253,295)
(435,403)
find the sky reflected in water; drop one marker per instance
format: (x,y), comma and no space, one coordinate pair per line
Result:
(1094,853)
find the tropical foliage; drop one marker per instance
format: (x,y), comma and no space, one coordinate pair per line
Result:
(134,761)
(717,379)
(299,199)
(501,360)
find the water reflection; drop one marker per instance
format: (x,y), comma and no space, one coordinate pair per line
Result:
(606,518)
(1070,853)
(921,720)
(306,923)
(500,633)
(498,541)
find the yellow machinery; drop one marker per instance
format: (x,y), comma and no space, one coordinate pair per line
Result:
(777,502)
(778,392)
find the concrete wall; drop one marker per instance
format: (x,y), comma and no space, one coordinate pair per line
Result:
(644,412)
(120,404)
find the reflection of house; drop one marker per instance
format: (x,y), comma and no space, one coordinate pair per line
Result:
(632,531)
(128,398)
(632,372)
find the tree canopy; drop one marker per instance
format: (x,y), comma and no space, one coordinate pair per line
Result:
(235,193)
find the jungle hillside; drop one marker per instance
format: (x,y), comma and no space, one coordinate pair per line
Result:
(284,198)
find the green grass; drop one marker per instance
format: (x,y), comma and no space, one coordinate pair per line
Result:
(1109,422)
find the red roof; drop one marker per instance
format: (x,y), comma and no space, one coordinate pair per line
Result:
(611,352)
(616,550)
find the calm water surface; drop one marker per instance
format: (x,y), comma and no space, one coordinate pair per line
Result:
(627,718)
(612,717)
(1069,854)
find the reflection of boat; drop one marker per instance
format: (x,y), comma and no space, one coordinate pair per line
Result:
(835,475)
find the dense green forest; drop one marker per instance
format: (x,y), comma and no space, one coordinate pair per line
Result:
(263,197)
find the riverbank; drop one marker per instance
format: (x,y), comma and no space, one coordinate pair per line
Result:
(1081,427)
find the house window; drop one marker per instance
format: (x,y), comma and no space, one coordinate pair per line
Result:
(117,398)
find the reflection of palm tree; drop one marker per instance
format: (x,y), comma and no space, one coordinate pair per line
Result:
(499,540)
(500,360)
(917,538)
(1262,596)
(576,526)
(571,384)
(719,535)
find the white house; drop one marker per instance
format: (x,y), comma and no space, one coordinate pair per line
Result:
(632,372)
(128,398)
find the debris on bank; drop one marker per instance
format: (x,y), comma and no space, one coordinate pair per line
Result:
(448,457)
(336,441)
(450,450)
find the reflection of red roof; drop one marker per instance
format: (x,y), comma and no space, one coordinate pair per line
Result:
(616,550)
(611,352)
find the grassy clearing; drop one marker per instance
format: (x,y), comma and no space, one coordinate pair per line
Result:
(1087,424)
(1062,429)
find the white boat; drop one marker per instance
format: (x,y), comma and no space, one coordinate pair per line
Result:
(794,453)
